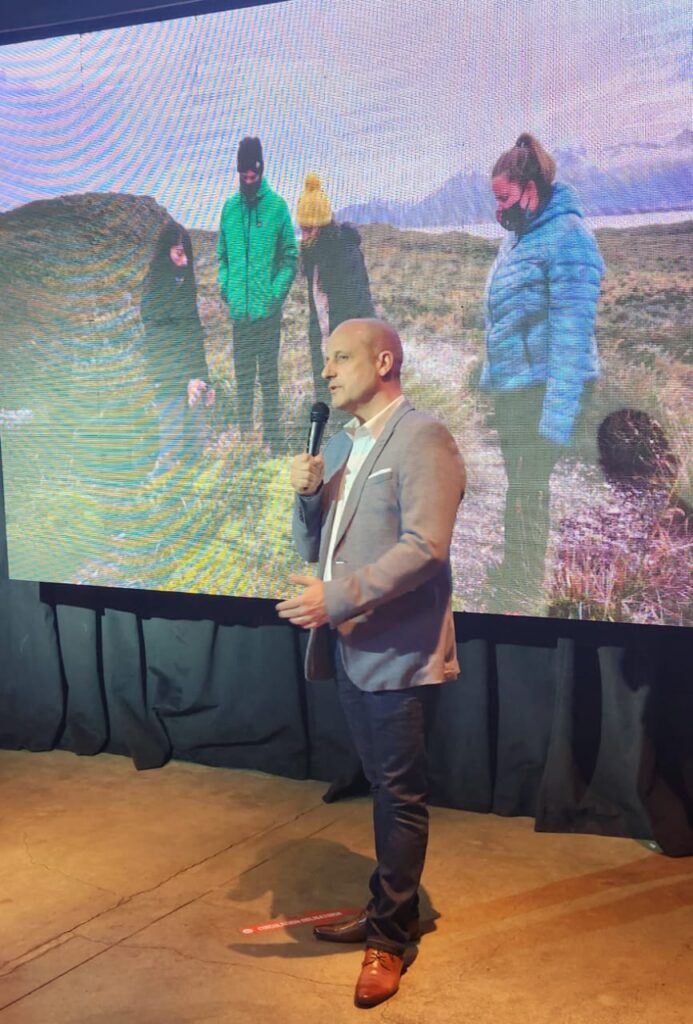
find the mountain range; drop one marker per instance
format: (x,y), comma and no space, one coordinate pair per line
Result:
(635,178)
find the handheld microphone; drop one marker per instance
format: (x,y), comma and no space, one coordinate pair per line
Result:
(319,415)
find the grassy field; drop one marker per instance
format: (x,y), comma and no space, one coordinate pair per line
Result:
(76,410)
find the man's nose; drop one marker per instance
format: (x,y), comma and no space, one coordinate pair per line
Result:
(327,371)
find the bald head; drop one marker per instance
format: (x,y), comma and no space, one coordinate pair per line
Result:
(378,335)
(362,367)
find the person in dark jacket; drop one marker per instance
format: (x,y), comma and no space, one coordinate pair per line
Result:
(338,287)
(257,254)
(541,302)
(174,347)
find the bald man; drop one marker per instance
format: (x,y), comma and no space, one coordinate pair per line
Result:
(377,513)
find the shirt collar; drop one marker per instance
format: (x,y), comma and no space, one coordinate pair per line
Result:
(375,425)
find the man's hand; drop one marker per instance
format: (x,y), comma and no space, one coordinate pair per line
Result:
(306,473)
(196,389)
(307,609)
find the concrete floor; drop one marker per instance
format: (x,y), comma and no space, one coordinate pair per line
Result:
(124,896)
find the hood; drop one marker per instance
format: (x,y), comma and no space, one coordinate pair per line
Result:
(350,234)
(563,200)
(331,238)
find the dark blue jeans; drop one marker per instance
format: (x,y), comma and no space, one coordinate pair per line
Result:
(389,731)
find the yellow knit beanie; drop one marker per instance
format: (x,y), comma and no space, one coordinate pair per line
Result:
(314,210)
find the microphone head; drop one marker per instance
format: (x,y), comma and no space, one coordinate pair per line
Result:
(319,413)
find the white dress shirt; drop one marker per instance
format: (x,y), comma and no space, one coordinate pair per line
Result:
(363,437)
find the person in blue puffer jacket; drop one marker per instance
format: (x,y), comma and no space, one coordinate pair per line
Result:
(541,355)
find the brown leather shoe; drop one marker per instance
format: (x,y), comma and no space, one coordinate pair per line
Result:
(349,929)
(355,929)
(379,977)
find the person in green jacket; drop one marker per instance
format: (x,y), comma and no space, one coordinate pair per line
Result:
(258,254)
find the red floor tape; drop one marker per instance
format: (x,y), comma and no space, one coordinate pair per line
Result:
(309,918)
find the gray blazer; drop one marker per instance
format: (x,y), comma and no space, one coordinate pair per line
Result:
(390,592)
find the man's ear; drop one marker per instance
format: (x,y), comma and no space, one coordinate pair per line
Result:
(385,362)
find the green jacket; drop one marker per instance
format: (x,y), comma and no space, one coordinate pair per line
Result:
(257,253)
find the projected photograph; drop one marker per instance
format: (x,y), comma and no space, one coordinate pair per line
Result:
(189,208)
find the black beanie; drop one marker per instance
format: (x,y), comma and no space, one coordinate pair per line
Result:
(250,155)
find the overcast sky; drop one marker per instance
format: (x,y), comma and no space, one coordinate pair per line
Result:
(384,98)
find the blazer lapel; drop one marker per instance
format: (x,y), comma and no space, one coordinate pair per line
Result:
(359,482)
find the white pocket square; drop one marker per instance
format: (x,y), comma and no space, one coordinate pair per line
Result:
(380,472)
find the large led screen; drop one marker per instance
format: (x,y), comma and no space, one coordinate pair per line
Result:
(163,336)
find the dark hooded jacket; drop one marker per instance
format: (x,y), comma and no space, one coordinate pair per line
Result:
(343,275)
(174,338)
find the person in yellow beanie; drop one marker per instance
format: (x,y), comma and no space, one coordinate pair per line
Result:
(335,270)
(314,209)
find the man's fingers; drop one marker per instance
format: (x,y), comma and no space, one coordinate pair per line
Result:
(302,620)
(306,473)
(294,603)
(298,609)
(298,617)
(302,476)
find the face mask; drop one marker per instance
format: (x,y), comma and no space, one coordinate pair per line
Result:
(250,191)
(513,218)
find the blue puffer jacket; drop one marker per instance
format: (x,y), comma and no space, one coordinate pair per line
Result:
(541,301)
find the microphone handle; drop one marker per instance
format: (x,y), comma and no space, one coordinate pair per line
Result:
(317,429)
